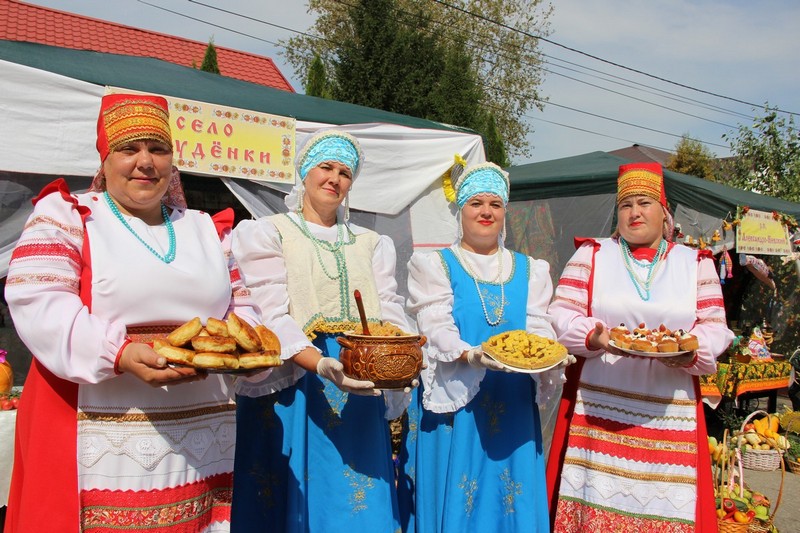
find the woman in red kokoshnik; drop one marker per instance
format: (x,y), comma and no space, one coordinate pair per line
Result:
(629,449)
(108,436)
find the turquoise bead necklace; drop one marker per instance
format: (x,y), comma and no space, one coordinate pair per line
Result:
(170,255)
(642,286)
(334,248)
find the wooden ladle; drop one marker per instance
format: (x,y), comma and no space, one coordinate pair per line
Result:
(361,313)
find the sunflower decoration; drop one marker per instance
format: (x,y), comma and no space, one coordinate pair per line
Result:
(451,176)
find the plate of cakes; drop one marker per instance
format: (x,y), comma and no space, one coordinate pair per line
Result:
(520,351)
(230,346)
(645,342)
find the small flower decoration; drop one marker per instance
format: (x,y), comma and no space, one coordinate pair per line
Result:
(716,237)
(3,355)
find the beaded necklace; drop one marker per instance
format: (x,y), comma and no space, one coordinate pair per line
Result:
(170,255)
(498,278)
(642,286)
(334,248)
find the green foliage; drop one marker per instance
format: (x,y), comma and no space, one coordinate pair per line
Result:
(392,54)
(766,157)
(495,151)
(317,83)
(210,58)
(693,158)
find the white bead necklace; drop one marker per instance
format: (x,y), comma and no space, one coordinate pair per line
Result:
(498,312)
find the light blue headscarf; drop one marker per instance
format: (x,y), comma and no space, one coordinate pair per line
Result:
(485,178)
(329,145)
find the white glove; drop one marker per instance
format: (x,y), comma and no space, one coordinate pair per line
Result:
(413,385)
(476,358)
(333,370)
(570,360)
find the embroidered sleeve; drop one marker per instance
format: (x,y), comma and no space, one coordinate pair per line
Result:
(43,295)
(570,308)
(710,327)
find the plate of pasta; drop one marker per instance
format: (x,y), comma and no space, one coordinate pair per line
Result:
(520,351)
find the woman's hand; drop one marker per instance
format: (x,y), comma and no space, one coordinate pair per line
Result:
(680,361)
(333,370)
(141,361)
(599,338)
(477,359)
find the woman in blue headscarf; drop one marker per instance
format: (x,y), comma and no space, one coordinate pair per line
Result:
(313,445)
(474,442)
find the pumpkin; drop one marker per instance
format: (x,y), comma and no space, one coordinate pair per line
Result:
(6,377)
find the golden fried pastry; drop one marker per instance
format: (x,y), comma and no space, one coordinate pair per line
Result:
(203,333)
(216,360)
(213,343)
(259,360)
(173,354)
(181,335)
(245,335)
(217,327)
(524,350)
(269,341)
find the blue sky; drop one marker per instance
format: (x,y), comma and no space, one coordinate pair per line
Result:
(740,50)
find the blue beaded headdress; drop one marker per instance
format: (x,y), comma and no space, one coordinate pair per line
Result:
(485,178)
(329,145)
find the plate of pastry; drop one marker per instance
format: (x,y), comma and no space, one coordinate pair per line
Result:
(520,351)
(644,342)
(229,346)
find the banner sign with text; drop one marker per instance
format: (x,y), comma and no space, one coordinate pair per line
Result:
(230,142)
(759,232)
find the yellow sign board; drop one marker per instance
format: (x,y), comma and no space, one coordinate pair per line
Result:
(231,142)
(759,232)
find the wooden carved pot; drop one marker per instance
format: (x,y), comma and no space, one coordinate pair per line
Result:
(389,362)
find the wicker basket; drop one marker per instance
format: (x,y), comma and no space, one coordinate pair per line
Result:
(794,466)
(762,460)
(732,527)
(757,526)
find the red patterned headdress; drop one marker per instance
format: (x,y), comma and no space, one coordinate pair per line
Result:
(131,117)
(641,179)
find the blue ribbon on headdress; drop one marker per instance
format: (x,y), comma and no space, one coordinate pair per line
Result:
(329,148)
(484,180)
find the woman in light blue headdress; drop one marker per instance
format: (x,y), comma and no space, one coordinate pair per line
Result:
(474,443)
(313,449)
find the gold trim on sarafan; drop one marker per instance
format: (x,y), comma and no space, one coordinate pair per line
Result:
(631,474)
(635,396)
(634,442)
(638,414)
(154,417)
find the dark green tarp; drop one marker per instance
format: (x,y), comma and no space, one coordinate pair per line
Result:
(160,77)
(596,173)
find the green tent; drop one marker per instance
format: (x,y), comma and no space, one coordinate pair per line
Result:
(596,173)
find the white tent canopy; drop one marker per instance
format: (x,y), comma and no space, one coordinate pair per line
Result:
(50,130)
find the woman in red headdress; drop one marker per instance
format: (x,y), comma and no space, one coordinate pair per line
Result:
(108,436)
(629,451)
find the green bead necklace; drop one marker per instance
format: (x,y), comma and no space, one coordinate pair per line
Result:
(334,248)
(170,255)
